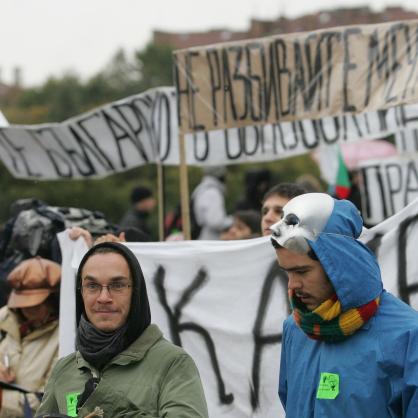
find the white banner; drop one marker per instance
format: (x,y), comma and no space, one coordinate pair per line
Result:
(3,120)
(142,129)
(388,185)
(225,302)
(394,243)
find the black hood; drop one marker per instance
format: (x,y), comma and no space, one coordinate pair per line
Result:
(140,314)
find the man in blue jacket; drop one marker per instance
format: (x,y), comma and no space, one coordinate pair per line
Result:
(350,349)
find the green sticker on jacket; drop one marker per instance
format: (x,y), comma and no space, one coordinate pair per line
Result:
(329,386)
(71,399)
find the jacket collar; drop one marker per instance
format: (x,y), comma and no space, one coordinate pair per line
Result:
(134,353)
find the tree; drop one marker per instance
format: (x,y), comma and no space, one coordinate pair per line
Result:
(155,66)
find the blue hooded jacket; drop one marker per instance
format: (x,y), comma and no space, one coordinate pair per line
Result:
(377,367)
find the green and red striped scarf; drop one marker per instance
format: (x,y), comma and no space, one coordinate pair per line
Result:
(327,322)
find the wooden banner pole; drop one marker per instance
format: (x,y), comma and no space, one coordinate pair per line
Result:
(184,186)
(161,200)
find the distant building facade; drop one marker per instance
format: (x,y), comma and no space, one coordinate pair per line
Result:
(259,28)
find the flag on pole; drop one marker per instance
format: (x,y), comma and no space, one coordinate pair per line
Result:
(334,170)
(342,180)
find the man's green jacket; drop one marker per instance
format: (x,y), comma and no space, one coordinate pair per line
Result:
(151,378)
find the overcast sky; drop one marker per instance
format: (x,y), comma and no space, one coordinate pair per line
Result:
(49,37)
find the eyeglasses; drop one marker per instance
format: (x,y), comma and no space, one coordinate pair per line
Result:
(95,289)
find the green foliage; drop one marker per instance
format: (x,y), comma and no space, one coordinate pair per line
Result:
(155,66)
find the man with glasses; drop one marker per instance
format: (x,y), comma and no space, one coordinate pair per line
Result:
(123,366)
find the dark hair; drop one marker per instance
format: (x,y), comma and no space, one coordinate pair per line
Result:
(251,218)
(140,193)
(311,253)
(133,234)
(289,190)
(53,301)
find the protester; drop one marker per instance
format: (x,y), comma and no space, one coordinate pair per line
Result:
(310,183)
(143,204)
(354,196)
(15,248)
(350,348)
(246,225)
(29,329)
(32,231)
(123,366)
(208,205)
(257,182)
(273,202)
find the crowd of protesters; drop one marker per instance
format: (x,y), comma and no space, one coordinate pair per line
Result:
(30,277)
(30,267)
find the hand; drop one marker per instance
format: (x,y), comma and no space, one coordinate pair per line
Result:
(6,374)
(75,232)
(111,238)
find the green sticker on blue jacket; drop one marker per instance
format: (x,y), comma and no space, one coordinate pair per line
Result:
(71,399)
(329,386)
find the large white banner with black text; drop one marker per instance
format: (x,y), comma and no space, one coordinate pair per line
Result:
(225,303)
(142,129)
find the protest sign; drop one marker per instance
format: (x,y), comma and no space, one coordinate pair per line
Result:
(388,186)
(105,141)
(298,76)
(225,303)
(142,129)
(394,243)
(407,140)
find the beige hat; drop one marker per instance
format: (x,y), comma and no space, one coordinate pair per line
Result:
(33,281)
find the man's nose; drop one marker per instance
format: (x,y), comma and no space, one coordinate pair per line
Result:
(294,283)
(269,218)
(104,295)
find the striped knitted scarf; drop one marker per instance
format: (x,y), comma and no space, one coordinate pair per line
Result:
(327,322)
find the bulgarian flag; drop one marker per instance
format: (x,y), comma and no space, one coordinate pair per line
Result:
(342,180)
(334,170)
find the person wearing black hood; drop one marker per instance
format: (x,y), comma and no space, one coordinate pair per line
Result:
(142,206)
(257,182)
(123,367)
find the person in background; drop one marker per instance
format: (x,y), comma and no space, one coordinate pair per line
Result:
(246,225)
(355,190)
(273,203)
(143,204)
(349,348)
(208,204)
(310,183)
(257,182)
(123,367)
(29,329)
